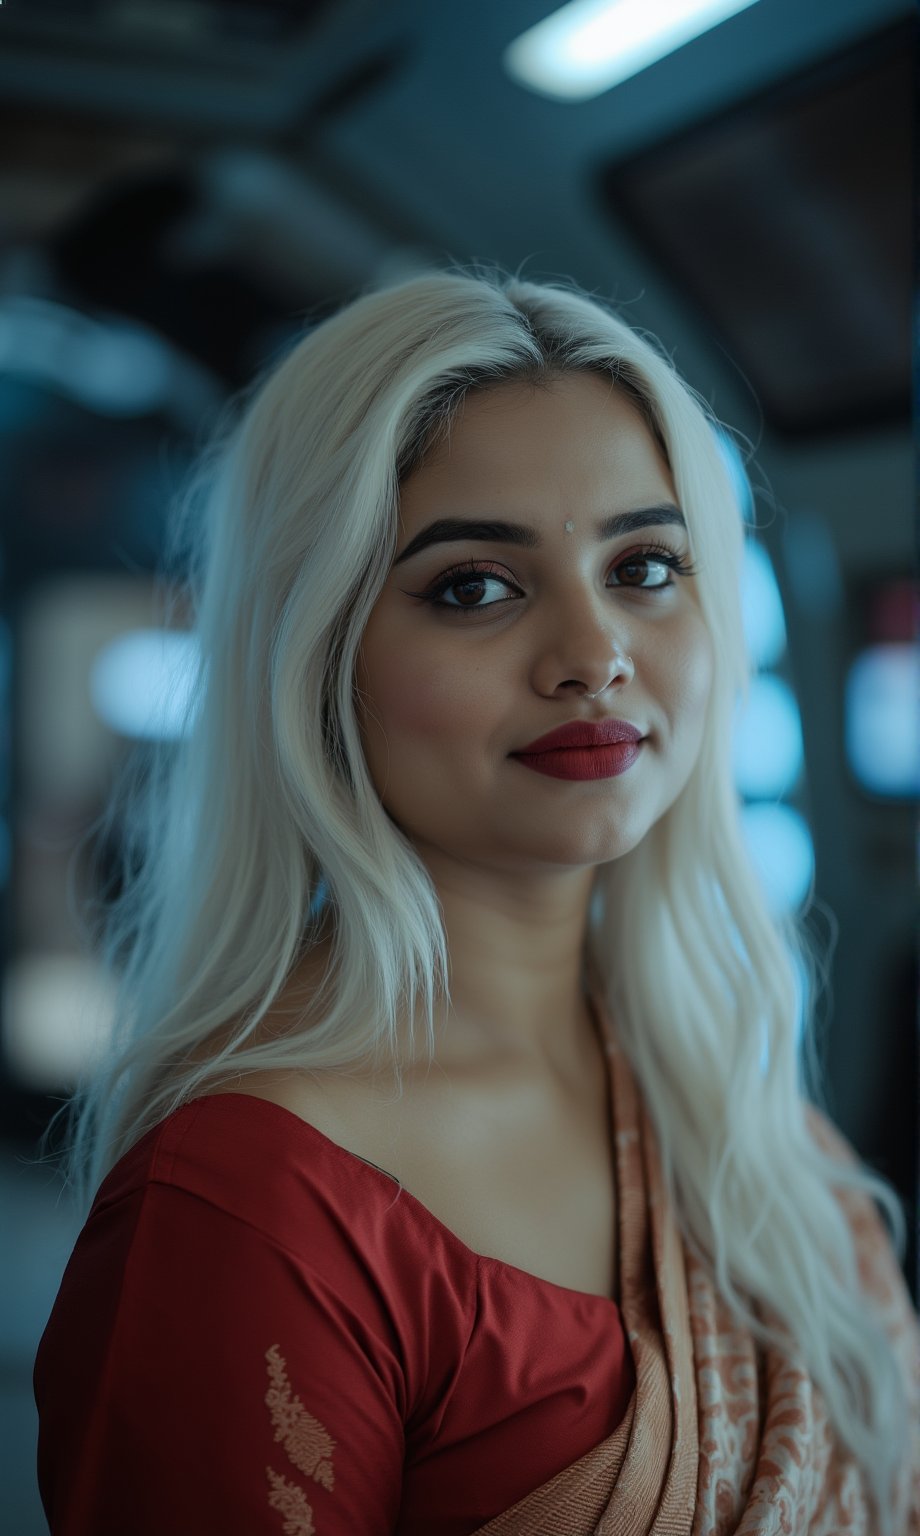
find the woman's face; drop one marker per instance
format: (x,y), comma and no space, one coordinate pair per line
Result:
(448,693)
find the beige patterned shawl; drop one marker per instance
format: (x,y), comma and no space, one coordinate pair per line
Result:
(721,1438)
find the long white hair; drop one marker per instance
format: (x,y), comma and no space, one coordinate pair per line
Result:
(263,823)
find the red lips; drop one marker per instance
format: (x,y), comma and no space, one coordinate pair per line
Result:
(584,733)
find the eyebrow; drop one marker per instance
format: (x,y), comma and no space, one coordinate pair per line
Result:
(450,530)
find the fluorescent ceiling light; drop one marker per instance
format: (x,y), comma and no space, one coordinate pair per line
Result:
(590,45)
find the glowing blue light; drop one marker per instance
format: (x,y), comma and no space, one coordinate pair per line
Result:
(590,45)
(782,852)
(111,365)
(882,720)
(762,607)
(140,683)
(767,746)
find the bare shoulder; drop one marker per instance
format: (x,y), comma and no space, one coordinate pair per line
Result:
(330,1101)
(347,1104)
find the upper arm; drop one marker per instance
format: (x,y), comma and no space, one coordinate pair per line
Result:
(219,1385)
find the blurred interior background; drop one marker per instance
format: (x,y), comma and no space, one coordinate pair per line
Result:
(186,184)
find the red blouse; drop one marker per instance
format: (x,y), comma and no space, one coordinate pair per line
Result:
(258,1332)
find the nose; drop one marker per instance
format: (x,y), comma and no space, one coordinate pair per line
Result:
(586,646)
(619,668)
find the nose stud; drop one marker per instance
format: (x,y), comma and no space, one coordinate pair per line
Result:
(619,658)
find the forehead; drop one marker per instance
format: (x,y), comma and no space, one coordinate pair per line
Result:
(562,437)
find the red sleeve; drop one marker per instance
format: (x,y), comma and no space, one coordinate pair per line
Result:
(197,1378)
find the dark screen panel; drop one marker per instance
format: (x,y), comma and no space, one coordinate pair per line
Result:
(787,221)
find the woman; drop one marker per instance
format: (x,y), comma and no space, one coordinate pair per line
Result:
(607,1267)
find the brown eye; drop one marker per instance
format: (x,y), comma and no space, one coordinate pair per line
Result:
(470,579)
(471,588)
(636,568)
(635,571)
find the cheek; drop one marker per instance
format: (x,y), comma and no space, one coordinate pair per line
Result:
(688,681)
(412,709)
(700,665)
(404,694)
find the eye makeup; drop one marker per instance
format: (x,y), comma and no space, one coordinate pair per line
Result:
(477,573)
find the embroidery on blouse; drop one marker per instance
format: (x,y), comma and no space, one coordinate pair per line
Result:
(292,1504)
(307,1443)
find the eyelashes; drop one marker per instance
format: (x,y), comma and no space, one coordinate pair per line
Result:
(480,572)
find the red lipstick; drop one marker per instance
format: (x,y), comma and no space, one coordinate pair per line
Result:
(583,749)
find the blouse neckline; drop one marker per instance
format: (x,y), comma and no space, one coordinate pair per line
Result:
(336,1150)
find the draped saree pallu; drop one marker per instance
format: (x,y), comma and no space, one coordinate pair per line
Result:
(721,1437)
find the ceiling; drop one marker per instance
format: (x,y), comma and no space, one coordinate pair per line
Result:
(221,170)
